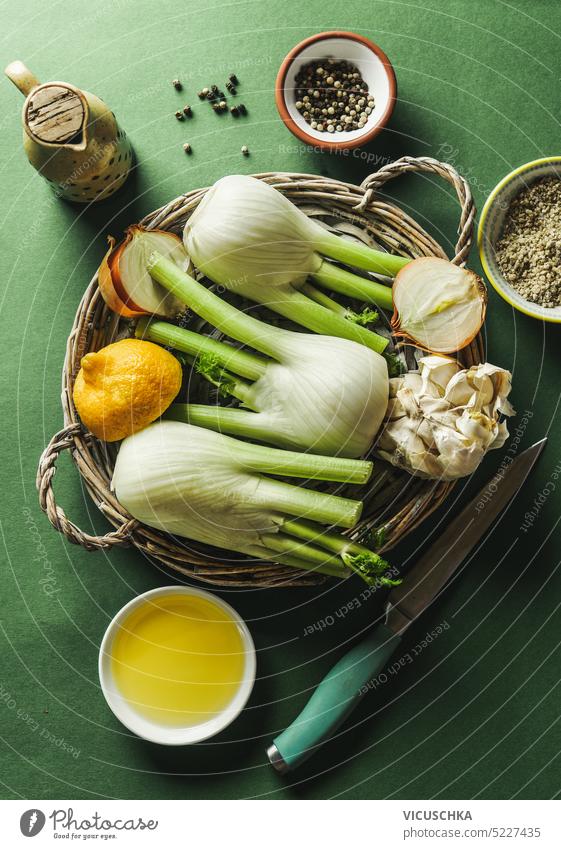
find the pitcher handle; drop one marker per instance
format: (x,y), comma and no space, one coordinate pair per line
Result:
(22,77)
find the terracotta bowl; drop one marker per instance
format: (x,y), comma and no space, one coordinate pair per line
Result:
(376,70)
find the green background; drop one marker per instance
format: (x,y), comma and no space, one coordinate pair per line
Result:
(477,713)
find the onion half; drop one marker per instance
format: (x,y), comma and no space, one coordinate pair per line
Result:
(438,306)
(124,280)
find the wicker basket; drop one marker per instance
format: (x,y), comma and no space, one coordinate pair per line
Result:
(395,502)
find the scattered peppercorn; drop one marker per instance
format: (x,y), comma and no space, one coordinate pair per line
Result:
(223,105)
(177,85)
(187,148)
(231,88)
(187,111)
(332,96)
(201,94)
(242,109)
(245,150)
(214,88)
(235,111)
(179,115)
(233,79)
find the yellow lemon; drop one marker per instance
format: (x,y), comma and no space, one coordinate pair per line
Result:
(124,387)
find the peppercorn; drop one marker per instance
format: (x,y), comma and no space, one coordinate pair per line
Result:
(330,94)
(187,111)
(205,91)
(179,115)
(223,105)
(235,111)
(187,148)
(177,85)
(242,109)
(233,79)
(201,95)
(214,88)
(245,150)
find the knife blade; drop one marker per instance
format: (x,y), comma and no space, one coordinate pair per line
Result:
(347,682)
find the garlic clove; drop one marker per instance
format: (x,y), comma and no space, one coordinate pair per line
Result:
(477,427)
(436,372)
(438,306)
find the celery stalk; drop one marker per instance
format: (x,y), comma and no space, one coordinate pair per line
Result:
(243,363)
(340,280)
(359,256)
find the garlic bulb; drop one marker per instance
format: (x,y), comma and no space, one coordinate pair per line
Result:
(438,306)
(442,419)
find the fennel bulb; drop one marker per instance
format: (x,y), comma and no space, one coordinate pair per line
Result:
(194,483)
(318,393)
(250,238)
(443,419)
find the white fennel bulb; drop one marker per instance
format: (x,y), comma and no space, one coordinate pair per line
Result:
(318,393)
(212,489)
(245,233)
(329,395)
(249,237)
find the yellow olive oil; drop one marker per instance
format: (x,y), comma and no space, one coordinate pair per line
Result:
(178,659)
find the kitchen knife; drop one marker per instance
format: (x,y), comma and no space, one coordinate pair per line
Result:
(345,685)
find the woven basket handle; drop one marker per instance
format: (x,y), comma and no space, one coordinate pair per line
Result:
(62,441)
(425,164)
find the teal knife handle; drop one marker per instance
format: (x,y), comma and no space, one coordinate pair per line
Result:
(333,700)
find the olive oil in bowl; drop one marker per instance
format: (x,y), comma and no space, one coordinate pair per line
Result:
(177,665)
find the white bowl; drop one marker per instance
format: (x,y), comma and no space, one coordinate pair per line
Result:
(375,68)
(165,734)
(491,226)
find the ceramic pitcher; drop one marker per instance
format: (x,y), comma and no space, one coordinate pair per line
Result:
(72,138)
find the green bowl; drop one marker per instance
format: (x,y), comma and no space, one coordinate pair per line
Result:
(491,225)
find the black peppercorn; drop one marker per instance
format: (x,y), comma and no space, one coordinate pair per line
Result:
(242,109)
(177,85)
(233,79)
(245,150)
(235,111)
(187,111)
(187,148)
(179,115)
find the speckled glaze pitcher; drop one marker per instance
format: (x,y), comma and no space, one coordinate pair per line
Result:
(72,138)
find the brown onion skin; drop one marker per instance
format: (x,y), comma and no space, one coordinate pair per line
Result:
(106,282)
(112,287)
(407,339)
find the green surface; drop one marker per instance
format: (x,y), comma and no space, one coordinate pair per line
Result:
(476,713)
